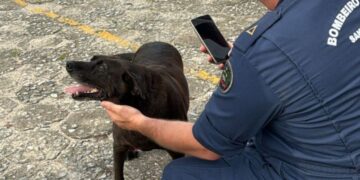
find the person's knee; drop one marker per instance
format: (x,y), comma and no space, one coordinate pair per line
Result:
(191,168)
(171,171)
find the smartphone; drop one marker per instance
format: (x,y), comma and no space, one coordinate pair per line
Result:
(210,36)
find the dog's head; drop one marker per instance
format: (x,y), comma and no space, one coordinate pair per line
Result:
(103,78)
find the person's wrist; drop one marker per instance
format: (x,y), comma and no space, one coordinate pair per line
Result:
(141,123)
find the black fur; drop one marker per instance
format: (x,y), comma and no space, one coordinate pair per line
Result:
(151,80)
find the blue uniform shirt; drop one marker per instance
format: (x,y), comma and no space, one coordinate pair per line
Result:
(292,85)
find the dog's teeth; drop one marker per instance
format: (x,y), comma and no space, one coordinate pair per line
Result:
(94,90)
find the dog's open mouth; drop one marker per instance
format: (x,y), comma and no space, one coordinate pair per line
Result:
(84,92)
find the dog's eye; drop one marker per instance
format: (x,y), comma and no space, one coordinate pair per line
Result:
(99,66)
(102,67)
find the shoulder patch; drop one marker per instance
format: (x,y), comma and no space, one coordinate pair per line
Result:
(227,78)
(254,32)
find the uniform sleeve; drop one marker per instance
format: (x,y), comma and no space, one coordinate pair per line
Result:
(231,118)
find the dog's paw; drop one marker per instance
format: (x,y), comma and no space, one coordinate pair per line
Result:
(132,154)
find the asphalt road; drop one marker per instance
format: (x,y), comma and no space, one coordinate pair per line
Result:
(44,134)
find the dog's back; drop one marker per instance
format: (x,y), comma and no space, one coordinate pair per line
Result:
(165,58)
(159,53)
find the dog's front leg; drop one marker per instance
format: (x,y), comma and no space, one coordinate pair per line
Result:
(120,153)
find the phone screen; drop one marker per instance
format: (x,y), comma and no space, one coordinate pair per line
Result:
(211,37)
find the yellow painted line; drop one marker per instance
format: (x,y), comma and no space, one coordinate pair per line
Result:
(51,15)
(20,3)
(81,27)
(103,34)
(208,77)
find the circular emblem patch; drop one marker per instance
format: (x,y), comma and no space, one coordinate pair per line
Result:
(226,79)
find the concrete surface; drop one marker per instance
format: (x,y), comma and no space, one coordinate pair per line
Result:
(44,134)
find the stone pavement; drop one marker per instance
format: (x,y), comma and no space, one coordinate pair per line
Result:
(44,134)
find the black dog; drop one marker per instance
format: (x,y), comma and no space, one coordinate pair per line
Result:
(151,80)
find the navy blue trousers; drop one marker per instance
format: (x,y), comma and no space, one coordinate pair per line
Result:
(248,165)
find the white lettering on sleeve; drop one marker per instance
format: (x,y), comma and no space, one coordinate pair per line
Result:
(345,12)
(332,41)
(339,21)
(355,37)
(356,2)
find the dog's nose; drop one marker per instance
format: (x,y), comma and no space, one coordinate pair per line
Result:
(70,66)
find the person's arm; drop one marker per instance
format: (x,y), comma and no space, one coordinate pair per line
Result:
(177,136)
(173,135)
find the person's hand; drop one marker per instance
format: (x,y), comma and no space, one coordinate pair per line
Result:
(125,117)
(209,58)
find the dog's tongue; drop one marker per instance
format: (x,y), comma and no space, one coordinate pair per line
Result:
(77,89)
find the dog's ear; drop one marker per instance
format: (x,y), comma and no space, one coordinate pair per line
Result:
(95,57)
(125,56)
(134,84)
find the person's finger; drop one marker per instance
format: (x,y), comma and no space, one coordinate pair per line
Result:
(210,59)
(111,114)
(111,106)
(221,66)
(203,49)
(107,105)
